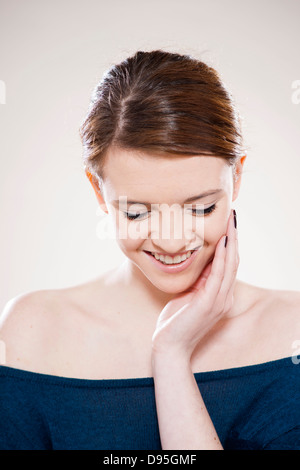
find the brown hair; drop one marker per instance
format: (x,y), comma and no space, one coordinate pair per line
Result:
(163,103)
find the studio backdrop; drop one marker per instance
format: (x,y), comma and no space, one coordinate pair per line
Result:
(52,54)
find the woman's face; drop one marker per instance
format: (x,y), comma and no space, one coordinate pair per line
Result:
(188,205)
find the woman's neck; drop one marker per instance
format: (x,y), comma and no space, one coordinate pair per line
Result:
(130,277)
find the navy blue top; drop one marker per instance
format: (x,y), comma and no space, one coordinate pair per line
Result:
(252,407)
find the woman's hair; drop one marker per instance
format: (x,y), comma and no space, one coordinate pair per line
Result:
(160,103)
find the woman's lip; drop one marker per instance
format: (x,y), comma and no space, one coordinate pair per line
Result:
(172,268)
(173,256)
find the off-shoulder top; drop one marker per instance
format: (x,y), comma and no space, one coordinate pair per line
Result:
(252,407)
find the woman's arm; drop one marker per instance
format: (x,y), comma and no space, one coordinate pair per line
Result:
(183,419)
(184,422)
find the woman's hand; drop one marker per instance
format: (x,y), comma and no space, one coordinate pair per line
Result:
(185,320)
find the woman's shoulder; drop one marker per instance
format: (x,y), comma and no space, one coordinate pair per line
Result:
(284,304)
(35,308)
(278,321)
(26,323)
(36,326)
(59,331)
(273,302)
(28,309)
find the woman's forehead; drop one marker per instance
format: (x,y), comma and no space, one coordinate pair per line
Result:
(137,166)
(147,178)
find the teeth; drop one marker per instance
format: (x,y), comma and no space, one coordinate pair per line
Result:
(169,260)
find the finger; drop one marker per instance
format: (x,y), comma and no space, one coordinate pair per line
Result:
(205,273)
(231,263)
(201,281)
(215,278)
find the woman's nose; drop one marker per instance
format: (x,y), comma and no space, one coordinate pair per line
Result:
(174,229)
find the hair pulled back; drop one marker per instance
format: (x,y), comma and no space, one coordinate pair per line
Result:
(163,103)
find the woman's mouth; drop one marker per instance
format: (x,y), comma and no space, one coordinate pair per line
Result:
(170,264)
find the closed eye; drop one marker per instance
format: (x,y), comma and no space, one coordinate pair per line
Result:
(208,210)
(139,216)
(135,216)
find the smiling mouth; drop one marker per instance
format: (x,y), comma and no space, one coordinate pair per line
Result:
(169,260)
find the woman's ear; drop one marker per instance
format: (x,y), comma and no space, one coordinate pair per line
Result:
(96,188)
(238,170)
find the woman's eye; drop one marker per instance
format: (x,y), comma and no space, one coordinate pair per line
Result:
(208,210)
(135,216)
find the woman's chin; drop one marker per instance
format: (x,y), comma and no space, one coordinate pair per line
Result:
(173,286)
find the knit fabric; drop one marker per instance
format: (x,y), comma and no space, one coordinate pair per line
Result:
(252,407)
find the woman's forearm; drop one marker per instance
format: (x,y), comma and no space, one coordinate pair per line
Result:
(184,422)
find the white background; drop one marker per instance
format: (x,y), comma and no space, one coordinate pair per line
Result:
(52,54)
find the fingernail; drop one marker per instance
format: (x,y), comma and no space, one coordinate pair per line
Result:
(225,243)
(234,219)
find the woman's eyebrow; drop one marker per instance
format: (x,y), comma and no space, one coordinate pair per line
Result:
(192,198)
(207,193)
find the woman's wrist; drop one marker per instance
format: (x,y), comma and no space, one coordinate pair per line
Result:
(170,358)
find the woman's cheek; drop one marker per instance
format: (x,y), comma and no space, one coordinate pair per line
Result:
(215,228)
(129,246)
(130,234)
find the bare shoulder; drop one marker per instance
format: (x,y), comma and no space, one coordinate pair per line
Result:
(27,309)
(27,322)
(50,331)
(273,301)
(280,320)
(284,303)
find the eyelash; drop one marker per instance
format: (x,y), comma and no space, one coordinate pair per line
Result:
(206,211)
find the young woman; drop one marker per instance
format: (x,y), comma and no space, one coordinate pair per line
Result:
(169,350)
